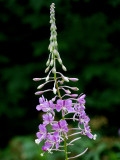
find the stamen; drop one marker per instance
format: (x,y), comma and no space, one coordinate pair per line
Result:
(79,154)
(73,129)
(60,150)
(75,140)
(74,134)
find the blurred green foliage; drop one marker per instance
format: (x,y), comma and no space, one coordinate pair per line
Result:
(24,148)
(88,38)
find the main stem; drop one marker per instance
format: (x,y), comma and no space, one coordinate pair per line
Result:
(55,78)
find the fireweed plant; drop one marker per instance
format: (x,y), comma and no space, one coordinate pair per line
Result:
(56,137)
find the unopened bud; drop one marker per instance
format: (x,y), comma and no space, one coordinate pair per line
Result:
(51,63)
(47,78)
(65,78)
(64,68)
(67,91)
(74,79)
(54,90)
(48,61)
(56,44)
(53,70)
(37,79)
(74,88)
(50,47)
(73,95)
(53,99)
(47,69)
(55,52)
(40,86)
(39,92)
(61,82)
(60,60)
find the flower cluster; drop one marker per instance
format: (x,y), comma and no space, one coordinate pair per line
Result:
(60,128)
(52,131)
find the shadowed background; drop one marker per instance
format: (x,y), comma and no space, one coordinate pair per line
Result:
(89,45)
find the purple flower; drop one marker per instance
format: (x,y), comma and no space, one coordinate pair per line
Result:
(81,99)
(47,118)
(42,134)
(48,106)
(55,139)
(61,126)
(79,110)
(45,106)
(83,118)
(87,132)
(47,146)
(65,105)
(41,101)
(89,135)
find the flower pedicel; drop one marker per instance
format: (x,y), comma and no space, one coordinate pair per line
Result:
(66,104)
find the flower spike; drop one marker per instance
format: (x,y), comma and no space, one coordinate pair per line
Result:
(68,103)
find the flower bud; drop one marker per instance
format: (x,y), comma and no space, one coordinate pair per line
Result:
(67,91)
(55,52)
(39,92)
(65,78)
(73,95)
(48,61)
(51,63)
(61,82)
(51,21)
(40,86)
(74,79)
(74,88)
(53,70)
(59,60)
(47,78)
(56,44)
(64,68)
(47,69)
(53,99)
(54,90)
(37,79)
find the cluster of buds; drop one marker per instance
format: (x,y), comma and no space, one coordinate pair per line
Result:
(56,132)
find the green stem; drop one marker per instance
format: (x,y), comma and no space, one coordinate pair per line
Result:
(65,143)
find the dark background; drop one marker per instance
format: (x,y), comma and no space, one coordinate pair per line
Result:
(89,44)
